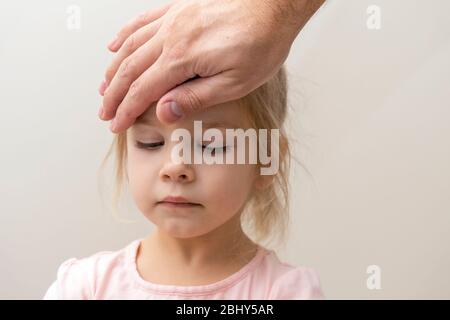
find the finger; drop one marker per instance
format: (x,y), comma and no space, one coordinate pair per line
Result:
(130,69)
(150,86)
(133,42)
(102,87)
(137,23)
(198,94)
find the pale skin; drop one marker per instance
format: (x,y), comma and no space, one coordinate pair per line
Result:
(189,55)
(190,246)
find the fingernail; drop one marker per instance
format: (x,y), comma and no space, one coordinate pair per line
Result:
(112,45)
(176,112)
(100,113)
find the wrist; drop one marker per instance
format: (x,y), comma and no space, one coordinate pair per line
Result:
(293,13)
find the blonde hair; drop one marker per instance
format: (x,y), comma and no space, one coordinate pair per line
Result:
(265,216)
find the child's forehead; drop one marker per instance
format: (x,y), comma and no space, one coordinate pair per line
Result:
(228,115)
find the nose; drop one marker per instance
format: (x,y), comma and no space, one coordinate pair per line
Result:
(177,172)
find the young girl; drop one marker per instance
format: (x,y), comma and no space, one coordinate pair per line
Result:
(204,215)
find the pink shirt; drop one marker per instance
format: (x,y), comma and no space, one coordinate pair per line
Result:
(113,275)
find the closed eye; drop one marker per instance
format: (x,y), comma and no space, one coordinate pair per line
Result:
(224,148)
(155,145)
(150,145)
(208,147)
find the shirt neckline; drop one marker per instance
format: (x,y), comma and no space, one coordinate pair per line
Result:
(193,290)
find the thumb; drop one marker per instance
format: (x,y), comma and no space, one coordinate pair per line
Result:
(196,95)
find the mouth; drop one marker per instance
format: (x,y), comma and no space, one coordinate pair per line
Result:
(177,202)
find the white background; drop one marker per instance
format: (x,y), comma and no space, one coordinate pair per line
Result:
(372,119)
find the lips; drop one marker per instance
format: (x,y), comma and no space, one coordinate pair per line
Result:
(178,201)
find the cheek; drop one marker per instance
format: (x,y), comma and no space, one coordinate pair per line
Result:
(140,176)
(228,186)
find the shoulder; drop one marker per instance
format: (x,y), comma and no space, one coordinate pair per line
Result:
(288,282)
(78,279)
(298,283)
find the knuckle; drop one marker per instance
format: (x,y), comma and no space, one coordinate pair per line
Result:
(141,19)
(176,61)
(109,73)
(135,91)
(127,68)
(178,51)
(170,22)
(125,114)
(108,100)
(193,101)
(129,45)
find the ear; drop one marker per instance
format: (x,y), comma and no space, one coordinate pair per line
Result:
(263,181)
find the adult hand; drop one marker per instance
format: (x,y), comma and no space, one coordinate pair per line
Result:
(192,54)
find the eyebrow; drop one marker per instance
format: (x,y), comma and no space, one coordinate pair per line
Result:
(221,123)
(147,121)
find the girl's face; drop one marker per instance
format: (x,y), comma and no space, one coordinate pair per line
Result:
(220,190)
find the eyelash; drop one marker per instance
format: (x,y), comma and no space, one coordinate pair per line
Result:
(151,146)
(154,145)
